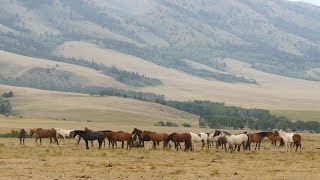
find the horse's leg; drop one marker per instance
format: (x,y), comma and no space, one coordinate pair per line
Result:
(100,142)
(78,141)
(50,140)
(87,143)
(55,139)
(91,143)
(41,141)
(112,144)
(20,141)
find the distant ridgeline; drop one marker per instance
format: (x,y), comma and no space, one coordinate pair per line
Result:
(217,115)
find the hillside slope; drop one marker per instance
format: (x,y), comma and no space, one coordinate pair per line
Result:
(271,92)
(41,104)
(276,36)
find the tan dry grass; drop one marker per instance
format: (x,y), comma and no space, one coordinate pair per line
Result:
(13,65)
(273,92)
(80,108)
(70,161)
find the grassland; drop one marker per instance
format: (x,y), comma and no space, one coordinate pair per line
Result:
(70,161)
(298,115)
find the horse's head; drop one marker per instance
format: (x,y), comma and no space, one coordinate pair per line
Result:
(31,132)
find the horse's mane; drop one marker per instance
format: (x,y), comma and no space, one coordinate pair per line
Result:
(226,133)
(170,136)
(263,134)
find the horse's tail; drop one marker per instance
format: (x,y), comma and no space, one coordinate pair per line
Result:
(54,134)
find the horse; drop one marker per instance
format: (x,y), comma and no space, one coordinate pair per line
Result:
(44,133)
(64,133)
(120,136)
(177,138)
(290,137)
(274,137)
(105,132)
(200,137)
(256,138)
(142,138)
(235,140)
(79,137)
(156,138)
(136,141)
(90,136)
(22,135)
(213,138)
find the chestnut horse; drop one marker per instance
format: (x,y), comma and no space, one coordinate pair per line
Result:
(120,136)
(142,138)
(44,133)
(177,138)
(274,137)
(256,138)
(22,135)
(156,138)
(90,136)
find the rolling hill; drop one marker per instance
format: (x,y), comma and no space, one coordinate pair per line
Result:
(59,107)
(249,53)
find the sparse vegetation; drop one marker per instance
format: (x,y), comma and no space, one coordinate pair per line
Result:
(5,106)
(168,124)
(12,134)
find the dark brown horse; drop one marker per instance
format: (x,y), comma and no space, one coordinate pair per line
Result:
(44,133)
(22,135)
(142,138)
(90,136)
(177,138)
(156,138)
(106,132)
(79,138)
(256,138)
(120,136)
(274,137)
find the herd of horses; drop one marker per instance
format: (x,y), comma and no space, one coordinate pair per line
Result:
(137,138)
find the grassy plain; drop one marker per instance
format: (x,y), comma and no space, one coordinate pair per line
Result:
(70,161)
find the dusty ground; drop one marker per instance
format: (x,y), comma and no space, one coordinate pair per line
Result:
(70,161)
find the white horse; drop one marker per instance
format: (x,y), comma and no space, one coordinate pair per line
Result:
(63,133)
(235,140)
(213,137)
(290,138)
(200,137)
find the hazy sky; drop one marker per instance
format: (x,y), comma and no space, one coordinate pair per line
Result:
(315,2)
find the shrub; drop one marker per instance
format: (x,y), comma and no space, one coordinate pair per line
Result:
(186,125)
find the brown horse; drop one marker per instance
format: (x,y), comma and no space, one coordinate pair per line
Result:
(256,138)
(142,138)
(44,133)
(274,137)
(156,138)
(297,141)
(120,136)
(177,138)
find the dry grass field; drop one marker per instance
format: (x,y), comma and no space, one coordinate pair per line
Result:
(69,161)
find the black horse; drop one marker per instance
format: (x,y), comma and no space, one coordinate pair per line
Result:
(90,136)
(22,135)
